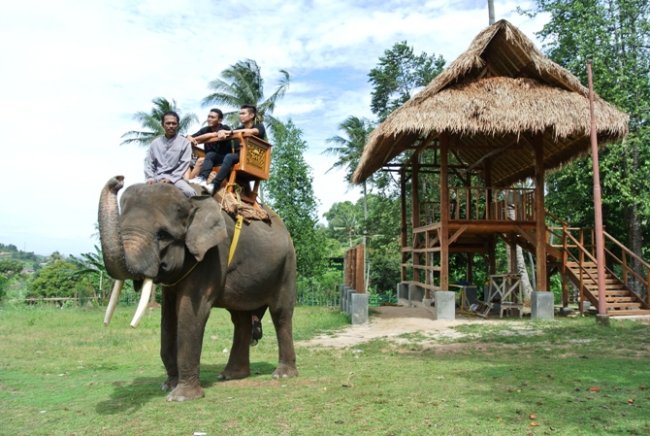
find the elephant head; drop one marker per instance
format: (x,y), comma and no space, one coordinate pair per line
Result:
(158,236)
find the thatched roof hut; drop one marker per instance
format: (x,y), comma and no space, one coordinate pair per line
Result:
(493,100)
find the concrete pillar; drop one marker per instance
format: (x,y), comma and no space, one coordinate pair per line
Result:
(445,305)
(402,293)
(416,294)
(359,308)
(342,297)
(348,299)
(541,305)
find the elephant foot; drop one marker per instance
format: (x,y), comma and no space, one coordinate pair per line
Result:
(184,392)
(169,384)
(230,374)
(285,371)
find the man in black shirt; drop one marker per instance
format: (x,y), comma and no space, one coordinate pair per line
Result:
(215,148)
(247,117)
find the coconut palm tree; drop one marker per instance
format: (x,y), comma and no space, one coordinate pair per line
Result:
(349,148)
(241,84)
(151,124)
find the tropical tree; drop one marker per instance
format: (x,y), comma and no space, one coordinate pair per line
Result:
(241,84)
(349,149)
(291,195)
(615,36)
(57,279)
(344,222)
(151,122)
(91,266)
(399,72)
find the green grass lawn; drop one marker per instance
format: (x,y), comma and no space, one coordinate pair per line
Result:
(62,372)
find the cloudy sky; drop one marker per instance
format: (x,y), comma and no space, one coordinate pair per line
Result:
(74,72)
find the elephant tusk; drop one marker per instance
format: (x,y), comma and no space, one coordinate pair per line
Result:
(144,300)
(112,302)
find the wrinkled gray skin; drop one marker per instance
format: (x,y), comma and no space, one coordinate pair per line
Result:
(161,234)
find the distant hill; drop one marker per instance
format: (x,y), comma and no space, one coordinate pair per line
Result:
(10,251)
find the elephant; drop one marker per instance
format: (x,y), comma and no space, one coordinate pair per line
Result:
(158,235)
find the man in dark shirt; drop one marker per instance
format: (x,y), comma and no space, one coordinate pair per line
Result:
(247,117)
(215,148)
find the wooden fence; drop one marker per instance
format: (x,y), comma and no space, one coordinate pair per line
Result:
(354,268)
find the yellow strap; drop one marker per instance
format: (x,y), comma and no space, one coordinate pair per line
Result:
(235,238)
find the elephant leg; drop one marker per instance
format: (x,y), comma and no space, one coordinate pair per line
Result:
(238,365)
(257,333)
(192,314)
(168,326)
(282,320)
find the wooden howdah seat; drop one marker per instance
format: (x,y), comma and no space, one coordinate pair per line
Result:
(254,165)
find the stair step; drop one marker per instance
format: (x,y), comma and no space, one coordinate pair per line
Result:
(620,299)
(610,286)
(625,305)
(628,312)
(613,294)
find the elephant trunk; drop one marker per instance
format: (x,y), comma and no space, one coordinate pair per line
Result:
(109,230)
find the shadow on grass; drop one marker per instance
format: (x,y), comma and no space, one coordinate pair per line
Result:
(130,397)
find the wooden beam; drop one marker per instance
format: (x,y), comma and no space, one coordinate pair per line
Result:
(456,235)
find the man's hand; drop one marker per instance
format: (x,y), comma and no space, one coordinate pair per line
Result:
(151,181)
(192,140)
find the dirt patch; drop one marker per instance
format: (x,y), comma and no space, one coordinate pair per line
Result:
(391,322)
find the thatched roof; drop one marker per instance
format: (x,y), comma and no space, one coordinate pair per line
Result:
(492,101)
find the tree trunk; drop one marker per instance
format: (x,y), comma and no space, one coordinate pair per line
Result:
(520,265)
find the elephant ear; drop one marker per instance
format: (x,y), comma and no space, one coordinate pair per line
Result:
(207,227)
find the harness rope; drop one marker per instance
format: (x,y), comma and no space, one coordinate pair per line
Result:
(167,285)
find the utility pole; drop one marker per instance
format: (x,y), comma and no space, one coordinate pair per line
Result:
(491,11)
(598,210)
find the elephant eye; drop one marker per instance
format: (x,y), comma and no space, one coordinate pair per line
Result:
(164,235)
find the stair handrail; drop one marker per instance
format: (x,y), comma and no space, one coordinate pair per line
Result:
(584,252)
(626,252)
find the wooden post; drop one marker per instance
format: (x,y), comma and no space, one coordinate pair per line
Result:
(540,225)
(565,259)
(598,209)
(416,258)
(444,212)
(359,282)
(492,262)
(403,239)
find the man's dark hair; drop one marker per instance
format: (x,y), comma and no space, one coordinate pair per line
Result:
(172,113)
(218,112)
(250,107)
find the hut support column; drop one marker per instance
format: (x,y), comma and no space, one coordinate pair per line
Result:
(541,300)
(403,240)
(445,301)
(492,262)
(540,225)
(415,222)
(444,212)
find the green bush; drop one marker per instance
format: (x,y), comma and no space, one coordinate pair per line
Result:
(3,286)
(322,290)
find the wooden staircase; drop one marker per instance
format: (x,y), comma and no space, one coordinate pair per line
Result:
(620,301)
(566,247)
